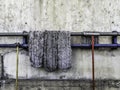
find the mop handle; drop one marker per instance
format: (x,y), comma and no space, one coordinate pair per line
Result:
(17,63)
(93,64)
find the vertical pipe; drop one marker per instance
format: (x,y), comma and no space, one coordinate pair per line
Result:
(114,39)
(2,67)
(93,67)
(25,40)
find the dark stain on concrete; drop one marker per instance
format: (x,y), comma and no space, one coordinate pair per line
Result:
(82,84)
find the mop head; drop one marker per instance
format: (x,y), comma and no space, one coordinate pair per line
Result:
(36,48)
(50,49)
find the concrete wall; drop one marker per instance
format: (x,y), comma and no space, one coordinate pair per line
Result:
(72,15)
(62,85)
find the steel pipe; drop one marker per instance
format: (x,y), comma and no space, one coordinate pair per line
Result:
(73,45)
(95,34)
(25,39)
(95,45)
(13,45)
(72,34)
(14,34)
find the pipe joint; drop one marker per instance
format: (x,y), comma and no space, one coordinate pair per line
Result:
(17,44)
(91,33)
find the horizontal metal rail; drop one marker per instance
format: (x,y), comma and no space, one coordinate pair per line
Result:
(73,45)
(95,33)
(13,45)
(14,34)
(96,45)
(72,34)
(114,35)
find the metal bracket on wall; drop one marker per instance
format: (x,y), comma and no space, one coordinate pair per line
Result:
(25,35)
(114,43)
(24,44)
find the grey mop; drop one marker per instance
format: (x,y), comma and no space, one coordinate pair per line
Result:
(36,48)
(64,50)
(50,50)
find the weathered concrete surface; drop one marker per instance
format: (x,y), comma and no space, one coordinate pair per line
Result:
(62,85)
(72,15)
(106,65)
